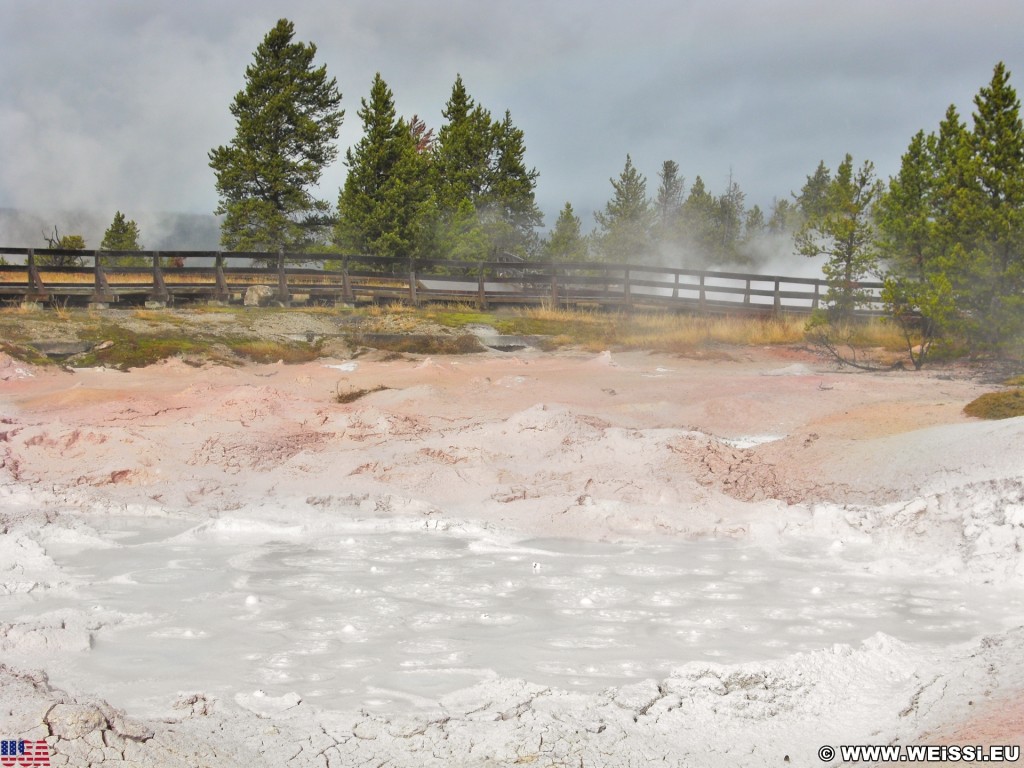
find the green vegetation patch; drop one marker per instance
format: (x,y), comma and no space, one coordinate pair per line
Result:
(124,351)
(25,353)
(423,344)
(997,405)
(269,351)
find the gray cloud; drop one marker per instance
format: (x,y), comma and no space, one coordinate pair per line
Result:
(114,105)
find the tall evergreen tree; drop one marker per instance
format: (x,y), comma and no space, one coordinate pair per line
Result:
(668,201)
(729,224)
(461,234)
(464,150)
(666,228)
(812,202)
(386,201)
(566,242)
(626,219)
(123,235)
(995,196)
(700,225)
(917,290)
(754,224)
(508,204)
(483,161)
(953,225)
(844,233)
(287,119)
(905,211)
(782,217)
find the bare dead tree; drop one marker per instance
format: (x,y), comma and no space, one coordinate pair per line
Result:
(57,241)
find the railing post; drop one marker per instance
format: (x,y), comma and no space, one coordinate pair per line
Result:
(101,294)
(746,292)
(37,291)
(283,295)
(160,295)
(817,295)
(777,304)
(554,284)
(627,289)
(701,298)
(221,292)
(346,285)
(481,291)
(413,297)
(675,287)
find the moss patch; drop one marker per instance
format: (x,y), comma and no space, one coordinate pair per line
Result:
(268,351)
(997,405)
(137,351)
(25,353)
(423,344)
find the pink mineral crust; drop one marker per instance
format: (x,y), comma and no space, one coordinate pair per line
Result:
(995,722)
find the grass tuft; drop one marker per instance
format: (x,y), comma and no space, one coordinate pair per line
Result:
(351,395)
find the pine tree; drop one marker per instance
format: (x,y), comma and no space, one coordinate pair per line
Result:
(668,201)
(996,198)
(508,204)
(917,291)
(812,202)
(700,224)
(123,235)
(842,229)
(462,235)
(483,161)
(626,220)
(754,224)
(287,119)
(729,224)
(386,198)
(566,242)
(463,151)
(782,218)
(666,229)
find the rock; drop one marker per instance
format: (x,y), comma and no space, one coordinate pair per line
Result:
(73,721)
(258,295)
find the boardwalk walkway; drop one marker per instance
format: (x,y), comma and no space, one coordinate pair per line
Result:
(182,276)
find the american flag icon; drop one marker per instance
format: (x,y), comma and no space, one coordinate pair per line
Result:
(24,752)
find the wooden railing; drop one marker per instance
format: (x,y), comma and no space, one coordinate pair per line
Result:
(174,276)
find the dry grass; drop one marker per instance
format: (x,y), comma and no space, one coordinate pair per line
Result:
(353,394)
(657,331)
(685,332)
(879,333)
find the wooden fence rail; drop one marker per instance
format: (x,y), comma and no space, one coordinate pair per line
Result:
(101,278)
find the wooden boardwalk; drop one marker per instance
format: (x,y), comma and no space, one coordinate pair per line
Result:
(174,277)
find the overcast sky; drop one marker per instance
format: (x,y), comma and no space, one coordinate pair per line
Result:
(114,104)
